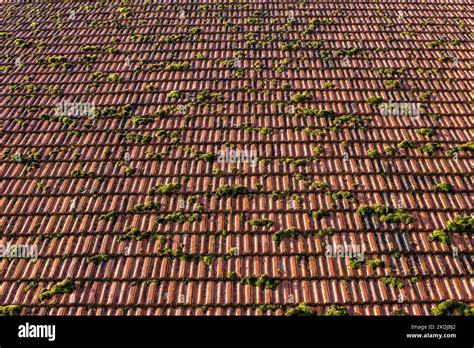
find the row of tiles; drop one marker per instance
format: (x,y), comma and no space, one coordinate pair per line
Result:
(347,82)
(71,213)
(360,20)
(358,310)
(324,292)
(390,188)
(151,172)
(284,266)
(454,129)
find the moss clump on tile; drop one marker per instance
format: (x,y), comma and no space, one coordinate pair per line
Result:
(147,206)
(207,96)
(207,260)
(133,232)
(425,96)
(374,100)
(262,130)
(393,282)
(407,144)
(347,52)
(173,38)
(398,216)
(328,84)
(325,232)
(337,195)
(10,310)
(98,259)
(4,35)
(392,84)
(112,216)
(318,214)
(263,282)
(434,43)
(467,147)
(301,97)
(31,285)
(306,112)
(302,309)
(426,132)
(200,155)
(354,263)
(444,187)
(114,78)
(269,307)
(318,186)
(335,310)
(80,173)
(291,232)
(318,150)
(172,135)
(461,224)
(276,195)
(446,59)
(31,159)
(179,254)
(125,12)
(301,162)
(390,72)
(65,287)
(231,191)
(139,121)
(55,62)
(196,30)
(176,95)
(155,155)
(449,306)
(385,213)
(165,189)
(375,263)
(430,148)
(232,276)
(22,43)
(260,222)
(180,217)
(364,210)
(177,67)
(138,138)
(372,154)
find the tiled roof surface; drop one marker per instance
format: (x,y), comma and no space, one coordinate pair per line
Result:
(255,76)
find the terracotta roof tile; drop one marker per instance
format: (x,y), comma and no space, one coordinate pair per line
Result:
(60,178)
